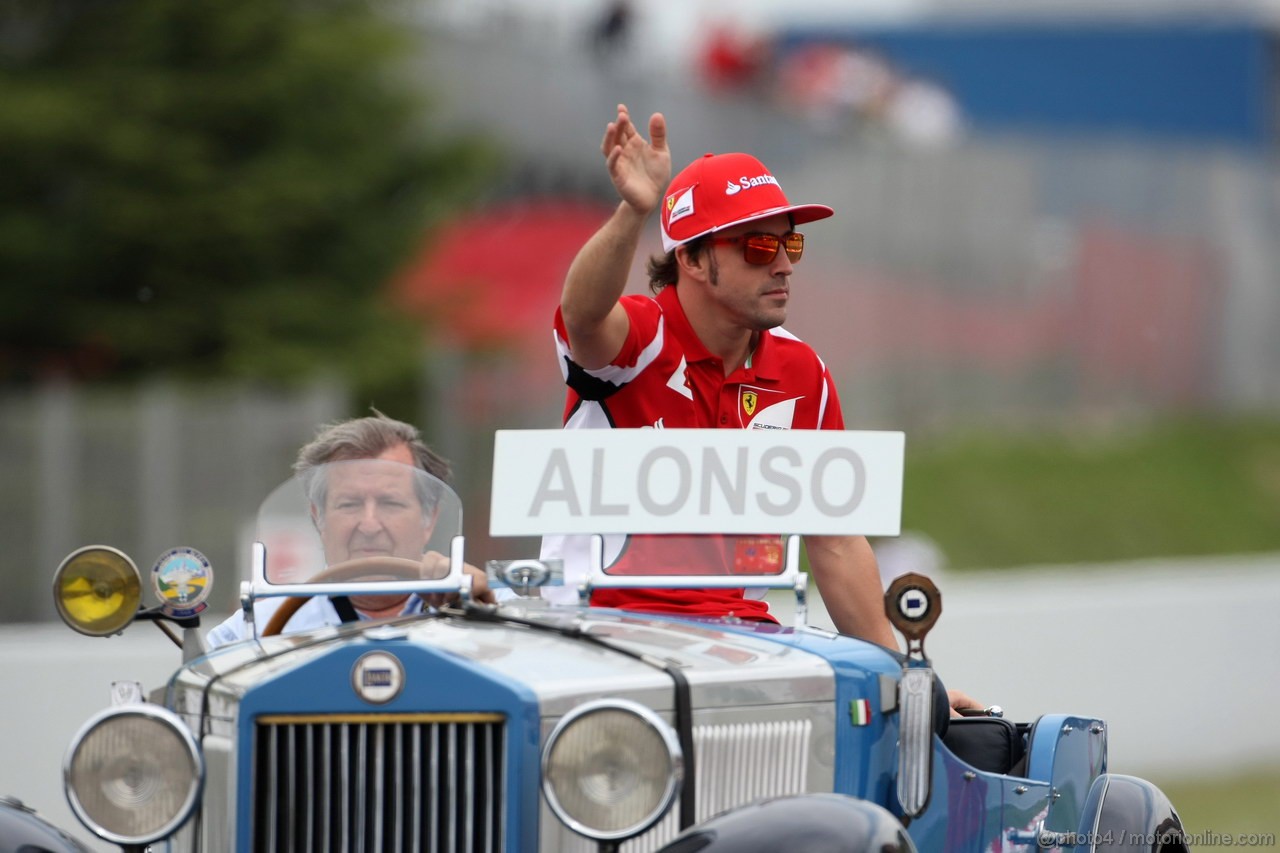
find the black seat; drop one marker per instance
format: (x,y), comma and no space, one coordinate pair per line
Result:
(991,744)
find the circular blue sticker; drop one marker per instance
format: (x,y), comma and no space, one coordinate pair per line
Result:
(182,579)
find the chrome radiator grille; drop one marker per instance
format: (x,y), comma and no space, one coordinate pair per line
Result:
(379,782)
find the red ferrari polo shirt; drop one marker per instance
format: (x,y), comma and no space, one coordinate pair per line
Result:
(664,377)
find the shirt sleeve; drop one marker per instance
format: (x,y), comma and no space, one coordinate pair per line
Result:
(316,613)
(830,415)
(227,631)
(642,344)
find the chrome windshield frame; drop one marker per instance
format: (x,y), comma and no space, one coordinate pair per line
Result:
(456,581)
(789,578)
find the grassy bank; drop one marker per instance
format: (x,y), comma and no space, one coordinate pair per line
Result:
(1181,488)
(1225,812)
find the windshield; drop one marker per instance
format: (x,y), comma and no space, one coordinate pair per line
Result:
(371,510)
(693,554)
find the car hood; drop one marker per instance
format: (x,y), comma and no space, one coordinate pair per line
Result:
(558,654)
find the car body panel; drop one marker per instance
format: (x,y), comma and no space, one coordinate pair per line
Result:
(530,677)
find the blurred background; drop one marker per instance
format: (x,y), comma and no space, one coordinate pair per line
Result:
(1055,265)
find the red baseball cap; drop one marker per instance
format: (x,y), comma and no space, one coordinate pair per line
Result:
(718,191)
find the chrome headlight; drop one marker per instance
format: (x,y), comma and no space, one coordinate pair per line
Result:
(611,769)
(133,774)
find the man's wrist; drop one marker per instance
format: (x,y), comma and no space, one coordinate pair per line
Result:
(632,213)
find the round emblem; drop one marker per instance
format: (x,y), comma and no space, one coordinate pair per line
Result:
(182,579)
(377,677)
(913,603)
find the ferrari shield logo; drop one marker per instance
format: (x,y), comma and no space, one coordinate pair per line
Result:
(679,205)
(749,400)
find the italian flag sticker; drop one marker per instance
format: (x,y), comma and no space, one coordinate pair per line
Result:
(860,712)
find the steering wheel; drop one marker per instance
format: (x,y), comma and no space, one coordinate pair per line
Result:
(399,568)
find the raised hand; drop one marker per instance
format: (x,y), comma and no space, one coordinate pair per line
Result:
(639,168)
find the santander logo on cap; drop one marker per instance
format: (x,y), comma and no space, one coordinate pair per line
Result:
(745,183)
(692,208)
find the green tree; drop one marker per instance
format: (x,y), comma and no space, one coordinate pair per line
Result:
(212,187)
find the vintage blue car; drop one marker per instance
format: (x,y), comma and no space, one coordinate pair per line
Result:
(535,725)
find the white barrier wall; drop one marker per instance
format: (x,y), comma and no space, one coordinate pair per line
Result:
(1179,657)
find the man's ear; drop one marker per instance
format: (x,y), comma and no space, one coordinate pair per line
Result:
(691,265)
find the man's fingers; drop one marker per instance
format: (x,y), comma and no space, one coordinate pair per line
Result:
(480,590)
(616,134)
(625,129)
(959,700)
(434,565)
(606,142)
(658,132)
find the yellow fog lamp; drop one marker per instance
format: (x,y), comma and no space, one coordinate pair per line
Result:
(97,590)
(611,769)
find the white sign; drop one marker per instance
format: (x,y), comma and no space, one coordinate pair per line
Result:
(574,481)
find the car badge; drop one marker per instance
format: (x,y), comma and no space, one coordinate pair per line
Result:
(182,579)
(377,677)
(913,604)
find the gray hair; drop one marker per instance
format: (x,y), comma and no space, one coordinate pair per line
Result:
(366,438)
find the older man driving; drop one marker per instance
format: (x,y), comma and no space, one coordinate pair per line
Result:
(368,513)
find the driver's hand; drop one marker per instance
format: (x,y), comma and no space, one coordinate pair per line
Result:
(480,590)
(959,700)
(436,565)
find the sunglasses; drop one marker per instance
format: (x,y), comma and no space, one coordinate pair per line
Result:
(761,249)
